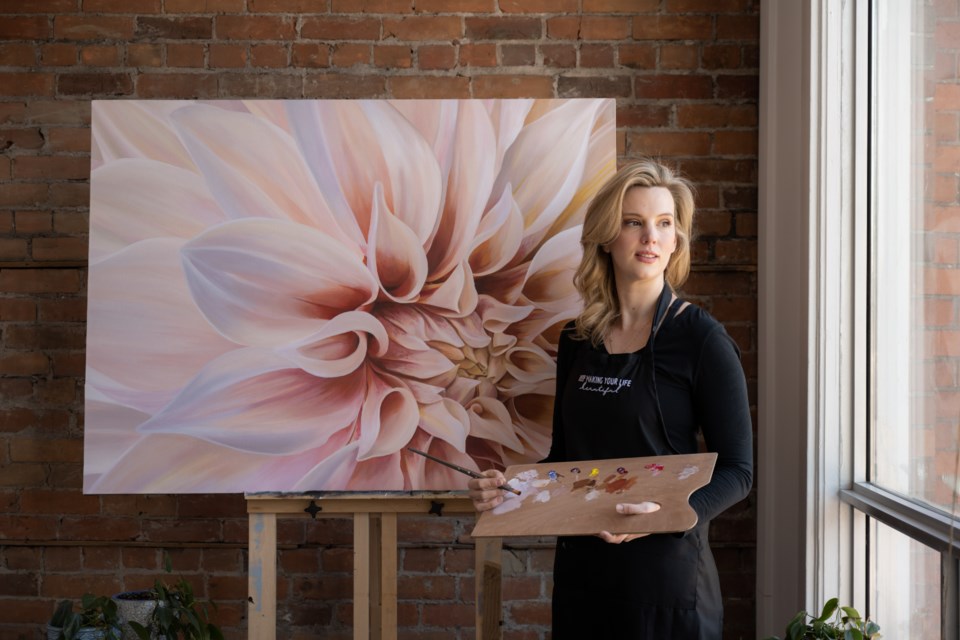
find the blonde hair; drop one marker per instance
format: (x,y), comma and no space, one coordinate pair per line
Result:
(601,226)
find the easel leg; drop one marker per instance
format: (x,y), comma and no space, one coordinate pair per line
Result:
(262,581)
(488,576)
(388,576)
(361,576)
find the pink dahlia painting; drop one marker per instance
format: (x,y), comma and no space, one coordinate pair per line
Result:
(285,295)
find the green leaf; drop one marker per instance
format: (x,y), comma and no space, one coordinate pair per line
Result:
(852,634)
(828,609)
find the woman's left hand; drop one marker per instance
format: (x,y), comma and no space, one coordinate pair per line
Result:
(629,509)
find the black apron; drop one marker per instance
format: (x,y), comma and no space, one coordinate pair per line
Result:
(656,587)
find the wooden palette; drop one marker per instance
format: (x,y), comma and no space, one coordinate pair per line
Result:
(580,498)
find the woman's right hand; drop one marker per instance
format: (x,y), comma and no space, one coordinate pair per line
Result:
(484,491)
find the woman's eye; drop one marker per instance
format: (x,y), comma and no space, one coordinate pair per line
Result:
(666,223)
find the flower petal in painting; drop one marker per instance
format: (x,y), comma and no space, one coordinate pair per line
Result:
(340,346)
(490,420)
(253,400)
(145,337)
(341,470)
(176,463)
(389,416)
(545,165)
(507,117)
(133,200)
(233,166)
(352,145)
(447,420)
(394,254)
(457,294)
(136,129)
(549,281)
(427,474)
(468,189)
(110,430)
(498,236)
(271,282)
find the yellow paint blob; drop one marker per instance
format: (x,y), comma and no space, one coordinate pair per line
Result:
(594,472)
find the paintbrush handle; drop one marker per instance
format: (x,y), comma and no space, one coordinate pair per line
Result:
(463,470)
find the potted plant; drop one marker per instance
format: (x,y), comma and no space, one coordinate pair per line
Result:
(96,620)
(834,623)
(167,612)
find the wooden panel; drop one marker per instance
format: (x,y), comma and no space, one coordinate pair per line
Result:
(388,576)
(489,573)
(580,498)
(361,576)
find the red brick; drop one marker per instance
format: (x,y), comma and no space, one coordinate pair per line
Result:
(12,112)
(732,143)
(269,55)
(100,55)
(721,56)
(502,28)
(426,588)
(25,84)
(25,28)
(246,27)
(21,475)
(40,501)
(324,587)
(559,55)
(371,6)
(60,248)
(40,280)
(144,55)
(640,56)
(350,54)
(946,188)
(228,55)
(430,56)
(59,54)
(679,56)
(593,86)
(566,28)
(539,6)
(23,195)
(95,84)
(695,116)
(310,55)
(738,87)
(19,584)
(620,6)
(674,86)
(512,86)
(59,167)
(518,55)
(343,86)
(93,28)
(335,28)
(176,85)
(68,139)
(738,27)
(746,224)
(421,560)
(429,87)
(707,6)
(422,28)
(22,558)
(121,6)
(596,56)
(263,85)
(946,159)
(669,143)
(456,6)
(68,364)
(478,55)
(28,138)
(204,6)
(451,615)
(286,6)
(665,27)
(188,55)
(17,54)
(69,194)
(602,28)
(18,310)
(38,6)
(175,28)
(75,585)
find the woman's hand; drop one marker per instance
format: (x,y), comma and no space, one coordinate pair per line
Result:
(629,509)
(484,491)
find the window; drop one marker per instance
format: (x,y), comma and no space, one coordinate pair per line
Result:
(914,276)
(859,385)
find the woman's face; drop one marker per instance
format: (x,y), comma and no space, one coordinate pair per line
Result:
(648,235)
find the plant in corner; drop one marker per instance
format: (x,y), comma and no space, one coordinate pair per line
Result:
(96,620)
(177,615)
(834,623)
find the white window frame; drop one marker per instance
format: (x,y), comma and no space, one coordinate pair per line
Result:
(813,397)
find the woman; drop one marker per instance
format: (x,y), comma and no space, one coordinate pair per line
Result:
(684,377)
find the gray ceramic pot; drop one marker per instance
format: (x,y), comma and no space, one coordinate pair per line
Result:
(134,606)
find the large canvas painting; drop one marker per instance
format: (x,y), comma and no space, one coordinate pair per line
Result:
(286,295)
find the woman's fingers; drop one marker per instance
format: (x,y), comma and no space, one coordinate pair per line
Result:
(484,492)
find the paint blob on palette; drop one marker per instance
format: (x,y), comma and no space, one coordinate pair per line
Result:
(580,498)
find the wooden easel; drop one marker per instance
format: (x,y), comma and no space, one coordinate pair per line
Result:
(374,559)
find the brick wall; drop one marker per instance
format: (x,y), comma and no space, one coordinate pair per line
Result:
(685,76)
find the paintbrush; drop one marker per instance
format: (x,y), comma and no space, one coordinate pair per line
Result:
(463,470)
